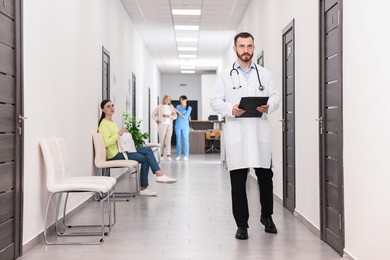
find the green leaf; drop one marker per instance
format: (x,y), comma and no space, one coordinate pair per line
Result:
(134,127)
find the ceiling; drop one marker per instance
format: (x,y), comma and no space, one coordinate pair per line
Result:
(217,23)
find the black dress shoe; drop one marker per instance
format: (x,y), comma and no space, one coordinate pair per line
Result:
(269,225)
(242,233)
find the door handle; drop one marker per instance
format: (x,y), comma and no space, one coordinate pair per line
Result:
(22,118)
(319,120)
(4,3)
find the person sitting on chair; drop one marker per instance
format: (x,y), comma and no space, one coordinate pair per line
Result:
(144,155)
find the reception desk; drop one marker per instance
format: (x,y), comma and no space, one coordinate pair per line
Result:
(198,134)
(205,124)
(197,141)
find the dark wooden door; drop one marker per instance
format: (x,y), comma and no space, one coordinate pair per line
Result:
(288,117)
(105,73)
(134,94)
(260,59)
(331,125)
(149,111)
(10,130)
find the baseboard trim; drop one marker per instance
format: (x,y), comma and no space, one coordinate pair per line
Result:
(40,237)
(32,243)
(301,218)
(316,231)
(278,199)
(119,174)
(347,256)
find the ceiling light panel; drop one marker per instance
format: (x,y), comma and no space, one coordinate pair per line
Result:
(188,71)
(187,39)
(185,48)
(186,11)
(187,67)
(187,56)
(187,27)
(155,21)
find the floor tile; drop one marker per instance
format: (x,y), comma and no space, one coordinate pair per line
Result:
(191,220)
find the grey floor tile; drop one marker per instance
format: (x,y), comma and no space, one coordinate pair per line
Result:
(191,220)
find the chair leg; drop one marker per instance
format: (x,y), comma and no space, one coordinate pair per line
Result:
(125,194)
(46,218)
(102,226)
(137,180)
(212,148)
(57,210)
(103,197)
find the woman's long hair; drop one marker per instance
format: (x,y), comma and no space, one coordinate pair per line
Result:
(166,97)
(102,104)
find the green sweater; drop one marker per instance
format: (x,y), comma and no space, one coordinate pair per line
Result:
(109,130)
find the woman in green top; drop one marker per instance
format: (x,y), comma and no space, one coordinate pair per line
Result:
(144,155)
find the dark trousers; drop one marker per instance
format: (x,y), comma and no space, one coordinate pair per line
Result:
(239,198)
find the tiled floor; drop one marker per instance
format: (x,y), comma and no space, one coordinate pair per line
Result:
(192,220)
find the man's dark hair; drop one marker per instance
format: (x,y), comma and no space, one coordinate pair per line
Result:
(242,35)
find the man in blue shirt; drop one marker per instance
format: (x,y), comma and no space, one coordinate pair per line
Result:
(182,128)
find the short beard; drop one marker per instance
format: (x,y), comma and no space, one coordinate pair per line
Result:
(246,55)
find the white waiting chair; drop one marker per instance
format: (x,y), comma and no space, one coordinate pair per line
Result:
(102,163)
(60,181)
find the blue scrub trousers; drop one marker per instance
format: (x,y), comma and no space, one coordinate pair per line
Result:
(145,157)
(185,132)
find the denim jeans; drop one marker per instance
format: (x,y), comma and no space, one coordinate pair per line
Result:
(145,157)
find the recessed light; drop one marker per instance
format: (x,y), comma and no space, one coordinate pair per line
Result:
(184,48)
(187,39)
(187,27)
(187,56)
(188,71)
(187,67)
(186,12)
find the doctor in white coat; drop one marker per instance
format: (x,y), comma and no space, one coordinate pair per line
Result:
(247,139)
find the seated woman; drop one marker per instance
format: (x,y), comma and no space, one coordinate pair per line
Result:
(144,155)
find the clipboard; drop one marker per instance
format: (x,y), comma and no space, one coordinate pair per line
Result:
(250,104)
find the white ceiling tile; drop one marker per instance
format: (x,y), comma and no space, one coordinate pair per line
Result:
(155,22)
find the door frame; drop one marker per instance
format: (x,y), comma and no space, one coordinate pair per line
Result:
(19,134)
(260,58)
(290,26)
(106,53)
(322,124)
(133,94)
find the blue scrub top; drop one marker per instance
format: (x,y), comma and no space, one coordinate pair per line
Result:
(183,122)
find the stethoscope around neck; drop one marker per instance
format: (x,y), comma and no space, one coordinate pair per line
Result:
(261,87)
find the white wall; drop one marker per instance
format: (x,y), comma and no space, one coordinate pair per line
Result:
(366,130)
(265,20)
(208,84)
(366,143)
(170,85)
(63,80)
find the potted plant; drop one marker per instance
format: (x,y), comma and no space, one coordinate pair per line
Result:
(134,127)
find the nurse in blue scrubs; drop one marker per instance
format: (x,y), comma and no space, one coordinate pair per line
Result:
(182,128)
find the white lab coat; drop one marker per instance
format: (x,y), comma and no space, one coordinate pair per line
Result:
(247,140)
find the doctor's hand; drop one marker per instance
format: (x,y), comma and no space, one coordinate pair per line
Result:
(263,109)
(237,111)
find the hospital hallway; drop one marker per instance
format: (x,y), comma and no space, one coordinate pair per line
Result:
(192,219)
